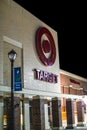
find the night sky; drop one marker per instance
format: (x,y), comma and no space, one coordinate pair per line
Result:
(69,20)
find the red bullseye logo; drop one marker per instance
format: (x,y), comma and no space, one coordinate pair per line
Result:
(45,46)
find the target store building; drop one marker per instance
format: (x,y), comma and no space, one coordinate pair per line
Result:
(41,97)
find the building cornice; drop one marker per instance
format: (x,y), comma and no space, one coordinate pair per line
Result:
(72,75)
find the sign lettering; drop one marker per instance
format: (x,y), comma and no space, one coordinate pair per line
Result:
(45,76)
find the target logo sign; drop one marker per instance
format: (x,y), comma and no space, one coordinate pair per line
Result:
(45,46)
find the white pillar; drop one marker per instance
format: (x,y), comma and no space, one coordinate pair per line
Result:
(26,116)
(1,115)
(46,117)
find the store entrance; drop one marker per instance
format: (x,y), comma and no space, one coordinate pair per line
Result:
(18,120)
(35,105)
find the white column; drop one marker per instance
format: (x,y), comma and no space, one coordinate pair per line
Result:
(26,116)
(46,117)
(1,115)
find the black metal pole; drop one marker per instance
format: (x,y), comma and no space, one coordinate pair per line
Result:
(12,98)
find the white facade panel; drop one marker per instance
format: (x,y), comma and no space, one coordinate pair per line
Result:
(22,26)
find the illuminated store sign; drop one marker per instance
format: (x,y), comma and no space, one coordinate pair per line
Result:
(45,45)
(74,81)
(45,76)
(46,50)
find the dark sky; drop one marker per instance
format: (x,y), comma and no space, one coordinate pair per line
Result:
(69,20)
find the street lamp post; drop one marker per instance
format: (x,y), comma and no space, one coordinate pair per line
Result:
(12,56)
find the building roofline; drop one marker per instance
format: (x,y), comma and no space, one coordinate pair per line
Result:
(72,75)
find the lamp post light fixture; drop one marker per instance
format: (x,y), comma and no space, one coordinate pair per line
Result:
(12,56)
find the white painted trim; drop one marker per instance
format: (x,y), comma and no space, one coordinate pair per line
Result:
(1,104)
(7,89)
(12,41)
(72,75)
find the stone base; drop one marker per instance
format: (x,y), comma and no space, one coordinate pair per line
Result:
(58,128)
(70,127)
(81,125)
